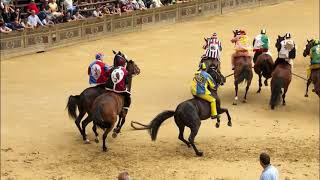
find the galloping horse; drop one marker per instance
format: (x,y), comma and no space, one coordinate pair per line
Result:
(109,105)
(263,67)
(281,78)
(190,113)
(242,71)
(315,72)
(85,100)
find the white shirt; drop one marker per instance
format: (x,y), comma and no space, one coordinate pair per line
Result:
(270,173)
(286,46)
(34,20)
(68,4)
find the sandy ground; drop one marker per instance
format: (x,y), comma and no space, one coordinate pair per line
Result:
(39,141)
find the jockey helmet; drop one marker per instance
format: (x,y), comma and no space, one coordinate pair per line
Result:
(214,35)
(263,31)
(316,41)
(288,36)
(242,32)
(99,56)
(203,66)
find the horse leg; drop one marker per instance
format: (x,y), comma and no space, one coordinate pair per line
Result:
(84,125)
(266,82)
(218,122)
(308,83)
(284,97)
(181,130)
(118,129)
(78,120)
(236,89)
(194,132)
(222,110)
(247,88)
(105,134)
(260,83)
(94,129)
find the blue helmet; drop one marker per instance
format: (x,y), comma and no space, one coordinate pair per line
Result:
(99,56)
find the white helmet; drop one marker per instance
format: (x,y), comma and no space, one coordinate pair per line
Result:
(263,31)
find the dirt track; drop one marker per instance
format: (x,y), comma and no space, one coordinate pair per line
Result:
(38,141)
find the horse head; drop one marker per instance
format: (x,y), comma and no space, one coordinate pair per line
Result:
(235,32)
(133,68)
(217,77)
(278,43)
(309,45)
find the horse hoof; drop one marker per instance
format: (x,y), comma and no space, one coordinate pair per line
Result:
(105,149)
(114,134)
(258,91)
(230,124)
(96,140)
(234,103)
(199,153)
(217,125)
(306,95)
(272,107)
(284,104)
(87,141)
(244,101)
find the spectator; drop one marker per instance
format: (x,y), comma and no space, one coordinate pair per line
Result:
(156,4)
(78,16)
(53,9)
(33,20)
(124,176)
(97,12)
(47,21)
(16,24)
(115,9)
(105,9)
(269,172)
(128,7)
(25,24)
(139,4)
(68,4)
(67,17)
(33,6)
(4,28)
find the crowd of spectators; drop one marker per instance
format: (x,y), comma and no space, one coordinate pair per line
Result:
(17,17)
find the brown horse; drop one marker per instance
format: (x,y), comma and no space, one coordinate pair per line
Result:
(263,67)
(315,73)
(85,100)
(281,78)
(108,106)
(242,72)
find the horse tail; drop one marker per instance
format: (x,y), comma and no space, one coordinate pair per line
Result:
(266,68)
(276,91)
(157,121)
(245,73)
(73,103)
(98,120)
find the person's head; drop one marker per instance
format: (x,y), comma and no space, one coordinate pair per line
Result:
(33,12)
(264,159)
(17,10)
(124,176)
(214,35)
(99,56)
(288,35)
(263,31)
(77,13)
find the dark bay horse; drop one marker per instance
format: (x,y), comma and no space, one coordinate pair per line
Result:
(263,67)
(281,78)
(315,72)
(190,113)
(85,100)
(108,106)
(242,72)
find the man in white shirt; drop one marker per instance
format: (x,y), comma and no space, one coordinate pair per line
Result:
(33,19)
(269,172)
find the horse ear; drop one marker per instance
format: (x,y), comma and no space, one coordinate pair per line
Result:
(114,52)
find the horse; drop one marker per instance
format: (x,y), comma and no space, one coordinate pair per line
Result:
(85,100)
(242,72)
(263,67)
(108,106)
(190,113)
(315,73)
(281,78)
(213,62)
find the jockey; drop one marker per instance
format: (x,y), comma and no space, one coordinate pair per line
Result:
(118,80)
(97,71)
(199,88)
(260,44)
(242,46)
(213,47)
(315,58)
(287,51)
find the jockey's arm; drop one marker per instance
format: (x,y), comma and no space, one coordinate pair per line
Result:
(254,41)
(211,83)
(89,70)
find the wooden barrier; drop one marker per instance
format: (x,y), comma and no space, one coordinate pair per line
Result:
(45,38)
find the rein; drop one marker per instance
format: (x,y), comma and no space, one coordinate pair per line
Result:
(300,76)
